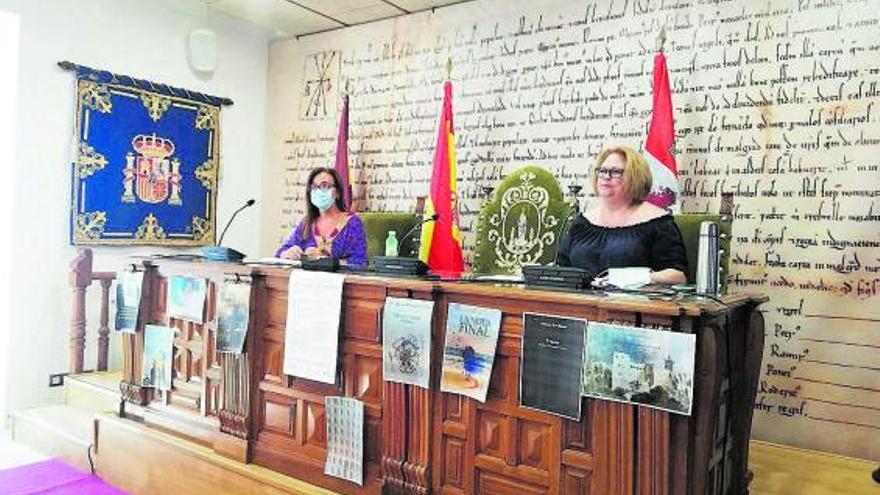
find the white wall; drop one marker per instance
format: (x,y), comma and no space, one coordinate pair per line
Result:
(144,39)
(8,85)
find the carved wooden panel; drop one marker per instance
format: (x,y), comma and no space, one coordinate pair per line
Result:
(280,416)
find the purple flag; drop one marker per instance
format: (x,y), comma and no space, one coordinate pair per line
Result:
(342,153)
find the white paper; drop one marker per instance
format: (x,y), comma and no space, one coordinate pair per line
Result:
(345,434)
(629,278)
(311,339)
(406,341)
(274,261)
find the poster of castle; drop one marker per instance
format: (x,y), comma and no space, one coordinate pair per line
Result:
(406,341)
(469,351)
(158,355)
(654,368)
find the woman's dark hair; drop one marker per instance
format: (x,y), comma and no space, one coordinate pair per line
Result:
(312,212)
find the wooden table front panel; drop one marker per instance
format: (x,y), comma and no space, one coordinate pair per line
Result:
(289,412)
(498,447)
(197,377)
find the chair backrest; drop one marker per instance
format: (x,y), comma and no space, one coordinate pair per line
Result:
(522,223)
(377,225)
(689,225)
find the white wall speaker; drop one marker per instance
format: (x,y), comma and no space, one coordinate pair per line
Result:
(203,50)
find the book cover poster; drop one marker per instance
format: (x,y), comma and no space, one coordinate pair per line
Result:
(233,311)
(186,298)
(469,351)
(158,355)
(551,367)
(345,438)
(128,300)
(406,341)
(649,367)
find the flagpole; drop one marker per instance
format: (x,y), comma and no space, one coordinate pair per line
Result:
(661,39)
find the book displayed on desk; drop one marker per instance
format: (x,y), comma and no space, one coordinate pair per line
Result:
(186,298)
(643,366)
(551,367)
(406,341)
(469,350)
(233,314)
(128,300)
(158,353)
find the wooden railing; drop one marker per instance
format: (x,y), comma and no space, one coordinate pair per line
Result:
(81,277)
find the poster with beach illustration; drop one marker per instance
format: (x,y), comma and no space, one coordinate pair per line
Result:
(469,352)
(654,368)
(406,341)
(233,311)
(158,354)
(186,298)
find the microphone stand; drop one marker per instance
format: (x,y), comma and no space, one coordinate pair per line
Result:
(411,231)
(220,253)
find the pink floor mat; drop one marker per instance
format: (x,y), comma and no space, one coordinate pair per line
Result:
(52,477)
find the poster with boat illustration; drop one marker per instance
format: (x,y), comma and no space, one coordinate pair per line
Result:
(469,351)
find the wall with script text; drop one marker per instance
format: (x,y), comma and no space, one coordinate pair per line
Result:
(777,102)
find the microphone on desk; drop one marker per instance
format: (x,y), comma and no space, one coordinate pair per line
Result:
(397,265)
(220,253)
(432,218)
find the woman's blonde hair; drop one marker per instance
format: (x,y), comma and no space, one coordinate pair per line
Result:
(636,175)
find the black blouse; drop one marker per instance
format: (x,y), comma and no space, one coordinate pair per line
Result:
(655,243)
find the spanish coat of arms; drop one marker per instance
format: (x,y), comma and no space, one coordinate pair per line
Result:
(146,163)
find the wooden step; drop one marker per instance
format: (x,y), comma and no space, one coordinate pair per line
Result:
(143,460)
(94,392)
(57,431)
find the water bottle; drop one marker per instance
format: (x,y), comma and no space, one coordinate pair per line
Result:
(707,259)
(391,244)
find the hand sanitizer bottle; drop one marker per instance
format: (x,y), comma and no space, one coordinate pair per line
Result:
(391,244)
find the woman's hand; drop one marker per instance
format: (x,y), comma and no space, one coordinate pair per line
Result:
(313,252)
(294,253)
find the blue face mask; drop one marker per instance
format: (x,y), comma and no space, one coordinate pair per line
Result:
(321,198)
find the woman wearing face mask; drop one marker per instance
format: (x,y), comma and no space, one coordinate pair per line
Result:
(327,228)
(622,230)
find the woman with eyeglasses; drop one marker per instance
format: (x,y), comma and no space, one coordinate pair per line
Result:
(622,229)
(327,229)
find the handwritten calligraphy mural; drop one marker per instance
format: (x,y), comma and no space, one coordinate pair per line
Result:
(777,102)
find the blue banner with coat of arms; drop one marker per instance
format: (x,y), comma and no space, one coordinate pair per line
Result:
(146,164)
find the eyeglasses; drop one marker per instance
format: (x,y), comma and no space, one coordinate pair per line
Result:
(609,173)
(324,186)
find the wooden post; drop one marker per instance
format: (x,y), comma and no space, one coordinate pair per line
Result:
(104,329)
(80,278)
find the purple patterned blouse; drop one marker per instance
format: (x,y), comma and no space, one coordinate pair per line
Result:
(349,244)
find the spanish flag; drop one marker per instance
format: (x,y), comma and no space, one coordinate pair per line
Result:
(440,248)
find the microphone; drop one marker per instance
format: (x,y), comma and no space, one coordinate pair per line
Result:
(219,253)
(432,218)
(568,220)
(247,204)
(398,265)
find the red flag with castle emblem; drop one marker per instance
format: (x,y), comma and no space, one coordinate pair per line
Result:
(441,241)
(661,138)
